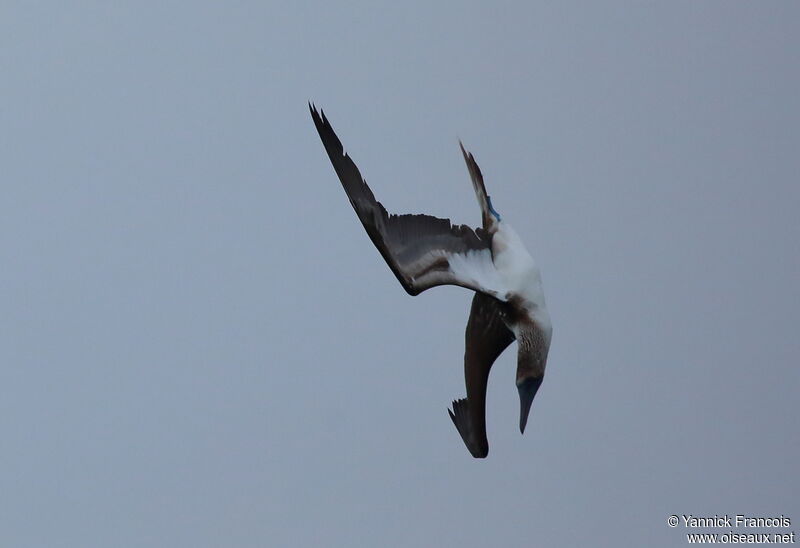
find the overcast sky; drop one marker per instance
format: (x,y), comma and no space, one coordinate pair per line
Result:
(199,345)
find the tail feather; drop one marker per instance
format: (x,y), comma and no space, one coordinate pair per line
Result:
(480,189)
(460,417)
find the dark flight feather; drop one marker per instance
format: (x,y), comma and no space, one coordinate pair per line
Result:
(414,246)
(486,337)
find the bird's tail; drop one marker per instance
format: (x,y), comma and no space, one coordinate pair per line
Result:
(489,216)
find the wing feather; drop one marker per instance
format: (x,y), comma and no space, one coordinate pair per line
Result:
(486,337)
(418,248)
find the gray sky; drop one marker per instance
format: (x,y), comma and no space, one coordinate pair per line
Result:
(199,345)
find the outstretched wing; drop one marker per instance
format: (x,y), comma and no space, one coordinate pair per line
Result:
(422,251)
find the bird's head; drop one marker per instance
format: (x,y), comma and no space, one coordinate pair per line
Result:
(534,344)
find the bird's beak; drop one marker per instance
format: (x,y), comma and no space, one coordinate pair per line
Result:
(527,390)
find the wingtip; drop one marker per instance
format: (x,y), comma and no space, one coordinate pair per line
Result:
(312,108)
(460,417)
(317,113)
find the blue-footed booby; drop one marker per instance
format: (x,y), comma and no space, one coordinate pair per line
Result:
(425,251)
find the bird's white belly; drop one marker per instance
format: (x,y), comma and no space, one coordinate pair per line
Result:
(513,262)
(517,269)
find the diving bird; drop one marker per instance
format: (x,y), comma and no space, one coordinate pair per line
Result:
(491,260)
